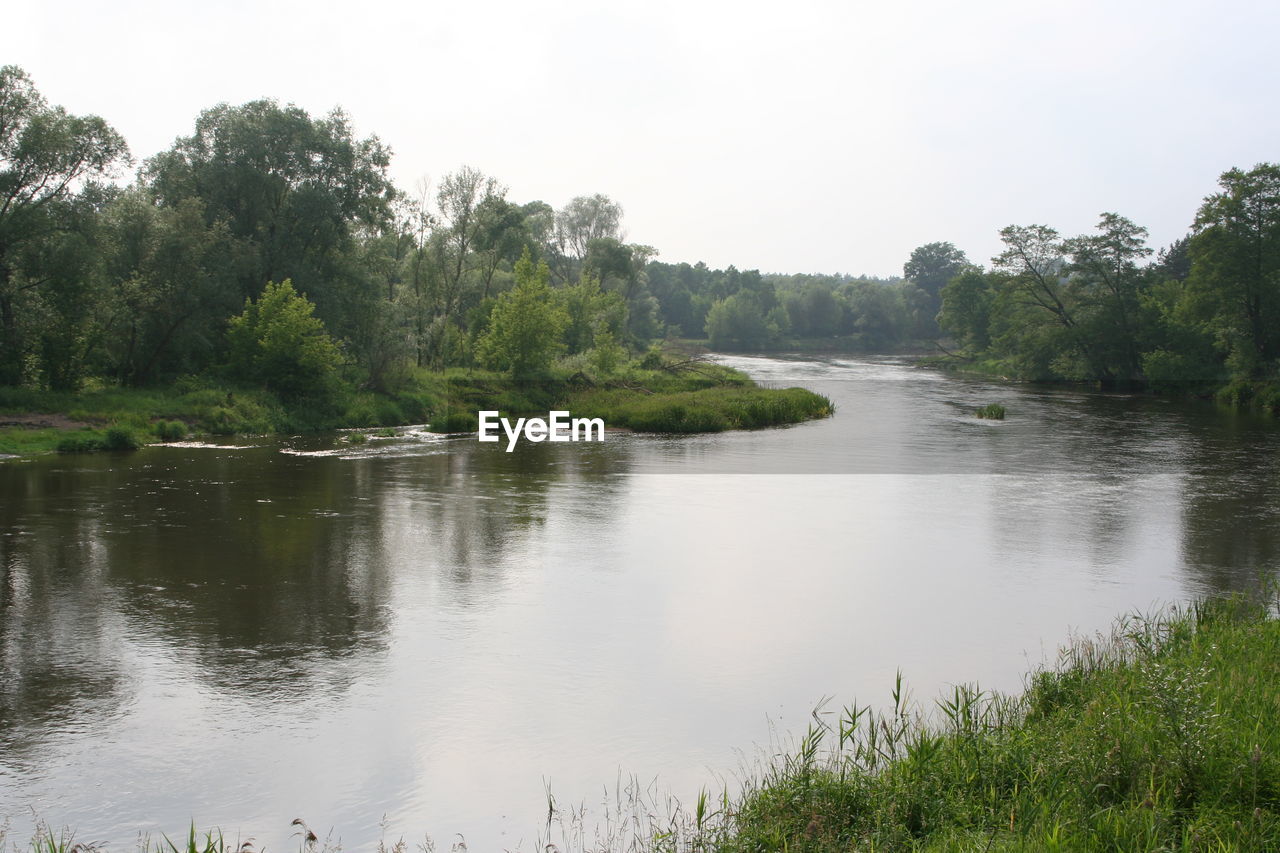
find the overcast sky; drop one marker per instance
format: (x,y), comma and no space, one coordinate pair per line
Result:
(789,137)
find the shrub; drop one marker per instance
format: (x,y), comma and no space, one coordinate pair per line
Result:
(120,438)
(81,442)
(170,430)
(278,342)
(455,421)
(526,324)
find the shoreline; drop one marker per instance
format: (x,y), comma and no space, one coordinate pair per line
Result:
(1162,734)
(703,398)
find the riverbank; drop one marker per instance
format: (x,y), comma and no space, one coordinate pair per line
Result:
(1164,735)
(1255,395)
(677,397)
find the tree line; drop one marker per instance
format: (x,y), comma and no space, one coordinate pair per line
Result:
(1101,307)
(270,246)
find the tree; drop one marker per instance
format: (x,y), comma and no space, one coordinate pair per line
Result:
(1235,265)
(583,219)
(966,309)
(1105,278)
(740,322)
(813,311)
(590,312)
(46,155)
(526,324)
(169,292)
(295,194)
(278,342)
(930,267)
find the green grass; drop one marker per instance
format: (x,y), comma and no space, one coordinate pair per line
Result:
(703,410)
(991,411)
(695,397)
(1164,736)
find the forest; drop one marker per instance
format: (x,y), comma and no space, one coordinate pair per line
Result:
(270,248)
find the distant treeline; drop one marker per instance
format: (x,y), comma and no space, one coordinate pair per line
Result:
(1098,307)
(270,247)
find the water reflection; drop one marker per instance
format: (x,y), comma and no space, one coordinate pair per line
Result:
(428,627)
(262,575)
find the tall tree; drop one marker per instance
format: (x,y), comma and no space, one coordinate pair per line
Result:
(295,193)
(1107,278)
(46,155)
(931,266)
(582,220)
(526,325)
(1235,255)
(169,289)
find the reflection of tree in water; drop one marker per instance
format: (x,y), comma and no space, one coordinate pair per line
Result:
(237,567)
(472,510)
(1094,465)
(259,574)
(1231,507)
(58,627)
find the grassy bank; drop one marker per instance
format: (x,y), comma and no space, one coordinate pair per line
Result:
(1164,735)
(1256,395)
(659,397)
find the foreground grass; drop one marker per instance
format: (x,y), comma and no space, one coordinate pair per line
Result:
(1164,735)
(700,397)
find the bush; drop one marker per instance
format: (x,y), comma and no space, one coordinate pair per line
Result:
(81,442)
(120,438)
(455,421)
(90,441)
(170,430)
(278,342)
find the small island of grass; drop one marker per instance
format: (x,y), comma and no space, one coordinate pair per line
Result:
(658,393)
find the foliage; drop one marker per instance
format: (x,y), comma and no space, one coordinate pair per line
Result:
(526,325)
(46,157)
(1161,736)
(706,410)
(170,430)
(278,342)
(991,411)
(740,323)
(1235,267)
(140,285)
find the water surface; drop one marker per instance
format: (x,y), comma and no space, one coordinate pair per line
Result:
(433,629)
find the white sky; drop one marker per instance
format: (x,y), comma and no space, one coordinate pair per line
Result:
(789,137)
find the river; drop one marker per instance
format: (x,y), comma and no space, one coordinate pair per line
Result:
(421,634)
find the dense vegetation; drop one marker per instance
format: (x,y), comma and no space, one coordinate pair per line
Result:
(264,273)
(1204,313)
(268,250)
(1163,737)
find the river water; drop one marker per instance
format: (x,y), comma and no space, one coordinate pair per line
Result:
(421,635)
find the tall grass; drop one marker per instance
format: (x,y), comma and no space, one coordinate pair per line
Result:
(705,410)
(1162,736)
